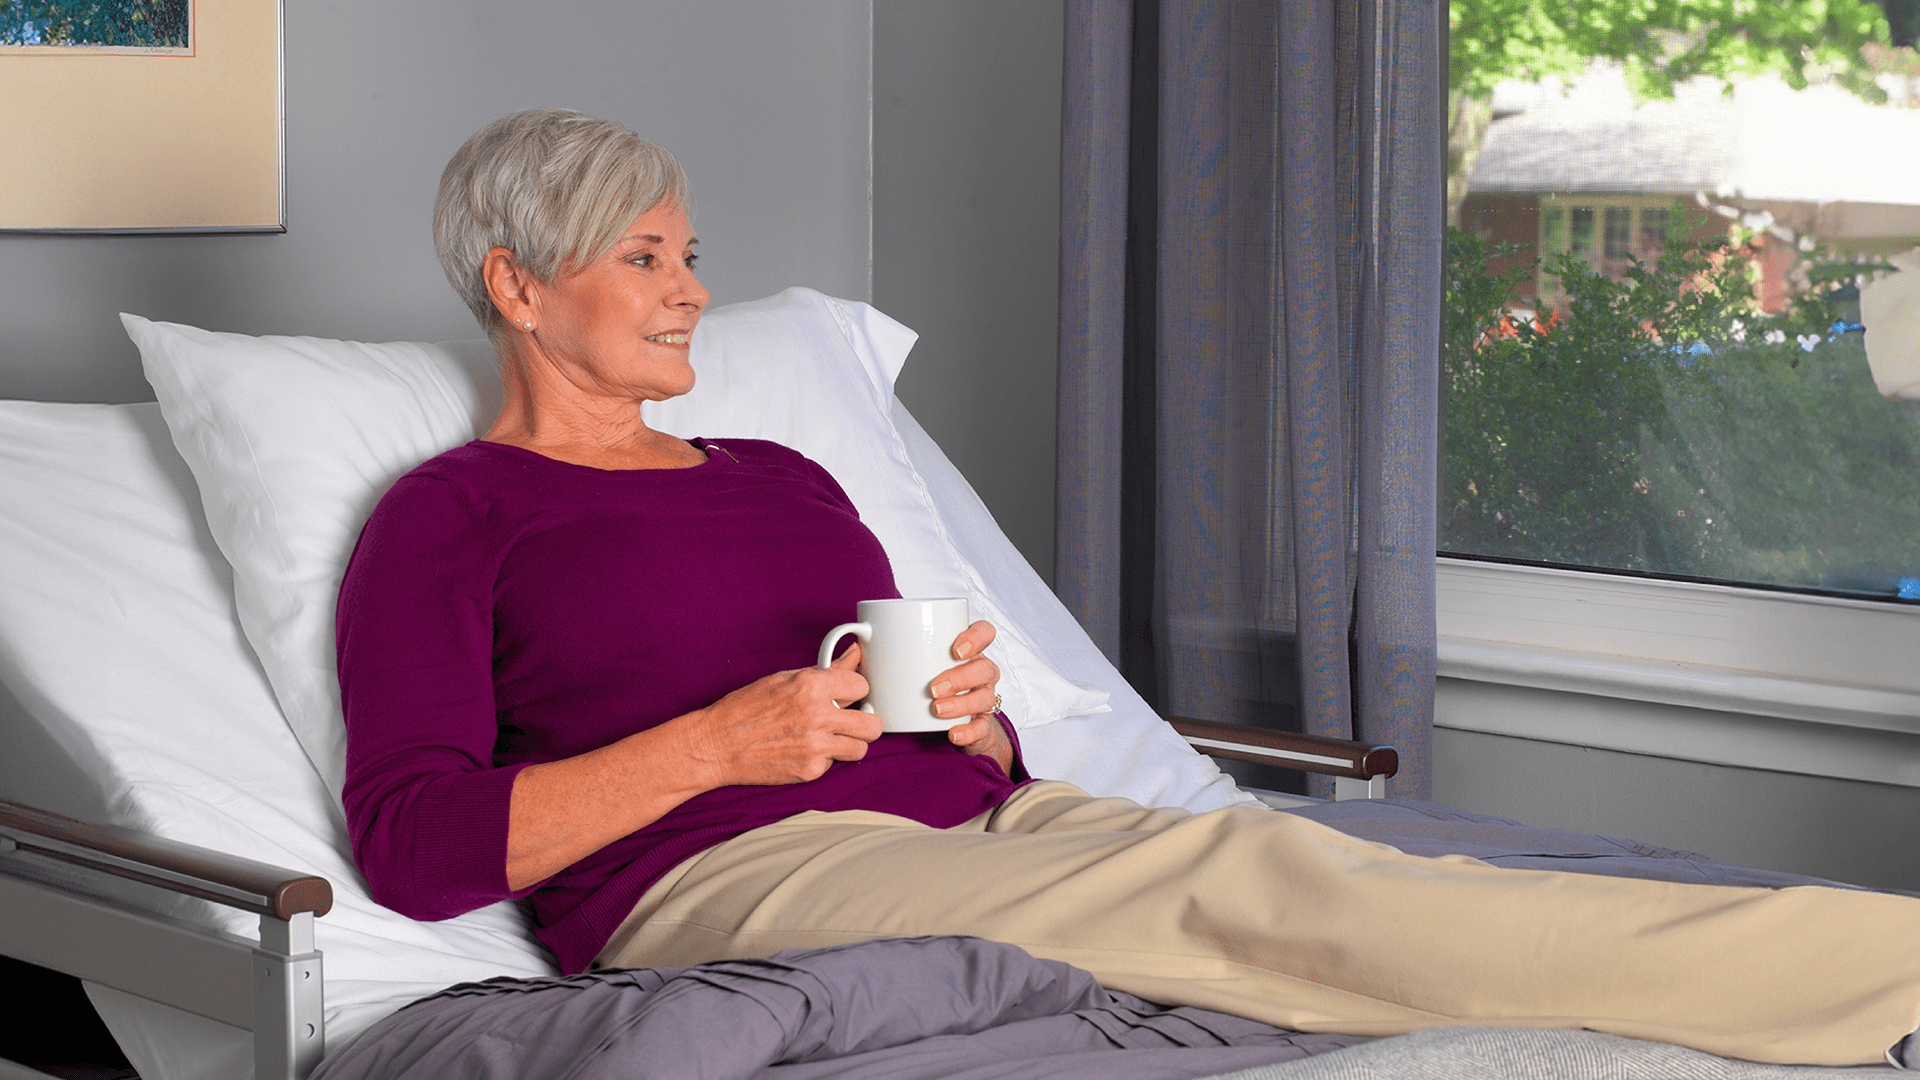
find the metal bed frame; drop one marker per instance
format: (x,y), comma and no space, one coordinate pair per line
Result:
(55,889)
(59,878)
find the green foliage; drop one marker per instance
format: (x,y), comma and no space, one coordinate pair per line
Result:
(1665,426)
(1663,42)
(130,23)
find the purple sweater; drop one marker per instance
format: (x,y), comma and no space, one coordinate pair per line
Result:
(503,608)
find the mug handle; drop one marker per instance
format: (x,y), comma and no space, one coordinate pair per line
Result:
(863,631)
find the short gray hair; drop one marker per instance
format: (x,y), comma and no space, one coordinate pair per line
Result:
(554,187)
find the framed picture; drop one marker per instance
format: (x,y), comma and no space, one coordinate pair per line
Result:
(142,116)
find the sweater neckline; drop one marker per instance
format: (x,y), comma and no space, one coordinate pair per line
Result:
(717,455)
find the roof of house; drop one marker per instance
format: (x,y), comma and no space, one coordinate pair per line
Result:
(1761,142)
(1594,139)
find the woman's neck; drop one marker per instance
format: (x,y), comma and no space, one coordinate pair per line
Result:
(567,424)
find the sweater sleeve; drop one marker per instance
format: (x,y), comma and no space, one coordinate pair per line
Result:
(425,805)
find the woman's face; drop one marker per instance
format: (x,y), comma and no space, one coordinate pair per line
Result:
(619,327)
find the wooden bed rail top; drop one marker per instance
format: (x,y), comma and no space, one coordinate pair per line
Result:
(1313,753)
(168,864)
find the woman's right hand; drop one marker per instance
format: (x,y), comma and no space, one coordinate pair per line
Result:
(786,728)
(783,729)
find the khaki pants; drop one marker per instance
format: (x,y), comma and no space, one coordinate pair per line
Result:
(1278,918)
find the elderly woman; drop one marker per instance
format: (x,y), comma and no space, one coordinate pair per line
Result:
(575,658)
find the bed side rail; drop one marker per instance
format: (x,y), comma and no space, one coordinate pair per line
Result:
(273,987)
(1360,769)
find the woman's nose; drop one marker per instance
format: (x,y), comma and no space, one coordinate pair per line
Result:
(691,293)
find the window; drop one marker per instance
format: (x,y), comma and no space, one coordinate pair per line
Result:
(1668,473)
(1628,228)
(1654,360)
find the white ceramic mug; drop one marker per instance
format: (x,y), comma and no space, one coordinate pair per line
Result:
(904,645)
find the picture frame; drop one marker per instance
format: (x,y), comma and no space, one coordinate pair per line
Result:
(185,137)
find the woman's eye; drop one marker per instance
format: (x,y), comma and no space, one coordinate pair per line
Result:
(691,259)
(643,261)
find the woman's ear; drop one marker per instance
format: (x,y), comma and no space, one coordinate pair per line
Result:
(512,289)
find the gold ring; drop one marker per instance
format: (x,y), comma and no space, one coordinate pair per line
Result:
(996,703)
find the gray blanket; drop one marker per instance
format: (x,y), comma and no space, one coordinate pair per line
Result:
(1430,829)
(959,1008)
(939,1008)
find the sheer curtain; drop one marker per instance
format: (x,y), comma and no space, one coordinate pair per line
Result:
(1249,334)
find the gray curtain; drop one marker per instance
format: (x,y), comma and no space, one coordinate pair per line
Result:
(1251,199)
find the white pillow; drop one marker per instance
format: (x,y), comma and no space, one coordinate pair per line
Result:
(292,441)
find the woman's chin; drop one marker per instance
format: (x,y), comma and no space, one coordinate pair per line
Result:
(675,389)
(665,389)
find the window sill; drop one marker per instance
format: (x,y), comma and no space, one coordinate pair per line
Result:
(1813,685)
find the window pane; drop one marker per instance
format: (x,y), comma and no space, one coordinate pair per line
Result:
(1553,230)
(1619,230)
(1580,235)
(1653,232)
(1714,413)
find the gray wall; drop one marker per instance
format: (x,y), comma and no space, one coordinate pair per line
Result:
(966,213)
(1840,829)
(766,103)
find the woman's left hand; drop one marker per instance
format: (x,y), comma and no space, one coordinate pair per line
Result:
(969,691)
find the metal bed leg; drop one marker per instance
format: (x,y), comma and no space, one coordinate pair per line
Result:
(289,1028)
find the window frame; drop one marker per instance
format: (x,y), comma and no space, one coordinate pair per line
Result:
(1813,684)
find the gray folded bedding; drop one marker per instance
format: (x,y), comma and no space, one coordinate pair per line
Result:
(1430,829)
(894,1009)
(958,1008)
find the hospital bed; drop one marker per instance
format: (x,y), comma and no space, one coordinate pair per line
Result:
(171,831)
